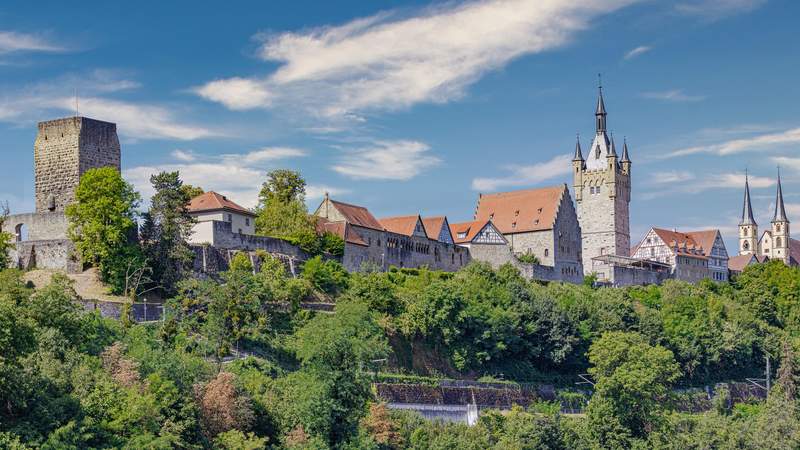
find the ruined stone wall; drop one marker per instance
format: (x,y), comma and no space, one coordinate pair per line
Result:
(65,149)
(44,226)
(51,254)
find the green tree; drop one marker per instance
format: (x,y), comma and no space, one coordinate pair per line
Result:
(5,238)
(632,379)
(328,276)
(191,191)
(102,223)
(166,227)
(332,350)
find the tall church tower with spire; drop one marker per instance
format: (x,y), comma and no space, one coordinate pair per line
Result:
(776,242)
(748,228)
(602,184)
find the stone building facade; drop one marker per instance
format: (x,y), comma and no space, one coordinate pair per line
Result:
(368,243)
(539,222)
(602,185)
(63,151)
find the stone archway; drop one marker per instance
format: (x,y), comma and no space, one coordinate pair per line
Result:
(21,232)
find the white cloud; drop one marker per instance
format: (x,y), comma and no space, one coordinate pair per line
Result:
(183,155)
(386,62)
(670,177)
(785,161)
(526,175)
(269,154)
(236,93)
(237,176)
(387,160)
(673,95)
(717,9)
(134,120)
(688,183)
(141,121)
(11,41)
(638,51)
(761,142)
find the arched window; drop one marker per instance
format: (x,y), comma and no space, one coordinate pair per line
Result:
(745,245)
(777,242)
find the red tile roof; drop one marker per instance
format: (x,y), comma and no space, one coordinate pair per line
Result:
(471,230)
(739,262)
(212,201)
(404,225)
(341,229)
(521,211)
(357,215)
(688,244)
(433,226)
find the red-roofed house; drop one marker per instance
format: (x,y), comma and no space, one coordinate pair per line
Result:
(693,255)
(542,222)
(212,207)
(394,241)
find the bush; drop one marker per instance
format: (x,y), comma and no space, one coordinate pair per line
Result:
(327,276)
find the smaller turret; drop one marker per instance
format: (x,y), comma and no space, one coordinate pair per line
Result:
(626,160)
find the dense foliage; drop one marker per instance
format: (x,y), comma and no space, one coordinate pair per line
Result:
(5,239)
(102,224)
(282,213)
(236,364)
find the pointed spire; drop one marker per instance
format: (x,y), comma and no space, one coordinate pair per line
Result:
(600,112)
(625,157)
(578,153)
(747,208)
(780,211)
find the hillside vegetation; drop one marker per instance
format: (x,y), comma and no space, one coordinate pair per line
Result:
(70,379)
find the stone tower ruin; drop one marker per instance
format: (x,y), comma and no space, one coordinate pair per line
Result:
(64,150)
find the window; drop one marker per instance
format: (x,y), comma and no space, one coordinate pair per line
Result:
(546,252)
(652,251)
(240,231)
(516,213)
(514,225)
(230,217)
(598,190)
(777,242)
(462,235)
(247,221)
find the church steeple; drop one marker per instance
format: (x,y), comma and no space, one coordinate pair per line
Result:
(780,210)
(600,113)
(747,208)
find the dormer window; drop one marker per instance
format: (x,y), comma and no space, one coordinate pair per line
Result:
(516,213)
(462,235)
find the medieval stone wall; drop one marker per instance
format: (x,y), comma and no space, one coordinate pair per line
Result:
(66,148)
(404,251)
(50,254)
(44,226)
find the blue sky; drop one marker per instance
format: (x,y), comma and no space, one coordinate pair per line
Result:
(410,107)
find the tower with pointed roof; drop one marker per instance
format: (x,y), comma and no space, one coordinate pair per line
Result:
(780,228)
(748,228)
(602,185)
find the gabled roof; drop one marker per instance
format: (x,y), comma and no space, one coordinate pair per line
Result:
(739,262)
(404,225)
(470,230)
(705,239)
(212,201)
(341,229)
(521,211)
(694,244)
(433,226)
(357,215)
